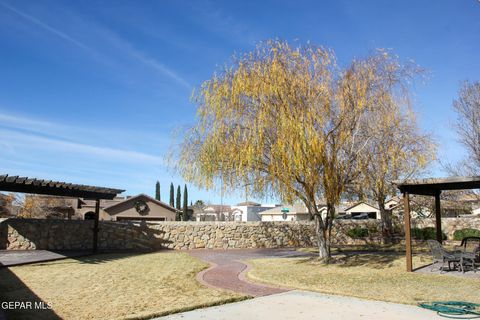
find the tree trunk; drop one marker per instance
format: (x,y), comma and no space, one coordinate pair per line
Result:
(330,217)
(323,249)
(322,230)
(386,216)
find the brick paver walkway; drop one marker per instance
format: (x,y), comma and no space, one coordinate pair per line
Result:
(228,269)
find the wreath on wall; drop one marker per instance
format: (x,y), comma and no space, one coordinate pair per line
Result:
(141,207)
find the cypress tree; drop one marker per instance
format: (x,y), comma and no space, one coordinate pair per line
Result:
(185,204)
(157,191)
(179,201)
(172,195)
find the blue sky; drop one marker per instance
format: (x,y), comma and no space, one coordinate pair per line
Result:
(90,91)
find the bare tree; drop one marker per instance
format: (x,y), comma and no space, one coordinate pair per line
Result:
(46,207)
(8,202)
(399,151)
(467,107)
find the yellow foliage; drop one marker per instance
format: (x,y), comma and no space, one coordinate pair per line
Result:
(289,121)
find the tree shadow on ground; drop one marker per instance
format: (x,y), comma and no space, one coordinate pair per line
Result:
(372,260)
(12,289)
(368,248)
(101,257)
(113,256)
(377,260)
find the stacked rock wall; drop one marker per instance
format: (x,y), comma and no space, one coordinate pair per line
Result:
(30,234)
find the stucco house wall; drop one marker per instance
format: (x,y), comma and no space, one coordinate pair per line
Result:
(126,210)
(361,208)
(214,212)
(251,212)
(296,212)
(290,217)
(476,211)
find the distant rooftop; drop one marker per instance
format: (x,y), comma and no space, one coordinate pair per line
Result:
(249,204)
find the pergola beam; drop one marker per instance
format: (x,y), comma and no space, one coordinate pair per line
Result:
(430,186)
(55,188)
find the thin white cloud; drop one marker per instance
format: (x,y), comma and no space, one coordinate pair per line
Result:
(130,50)
(125,47)
(210,16)
(159,66)
(117,137)
(45,26)
(46,134)
(23,122)
(16,140)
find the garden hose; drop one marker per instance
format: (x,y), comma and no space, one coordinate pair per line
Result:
(453,309)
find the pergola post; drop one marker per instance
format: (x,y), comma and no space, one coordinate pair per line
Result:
(408,234)
(438,217)
(95,226)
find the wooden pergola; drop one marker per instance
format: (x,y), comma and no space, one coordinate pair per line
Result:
(430,187)
(63,189)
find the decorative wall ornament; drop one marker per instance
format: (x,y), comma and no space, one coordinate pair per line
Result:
(141,207)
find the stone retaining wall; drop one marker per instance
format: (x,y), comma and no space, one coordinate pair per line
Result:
(449,225)
(24,234)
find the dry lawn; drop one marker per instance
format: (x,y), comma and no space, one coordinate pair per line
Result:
(377,276)
(110,286)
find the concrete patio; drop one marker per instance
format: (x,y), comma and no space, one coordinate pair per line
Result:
(305,305)
(10,258)
(452,273)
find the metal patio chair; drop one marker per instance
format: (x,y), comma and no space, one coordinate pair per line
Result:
(470,257)
(441,256)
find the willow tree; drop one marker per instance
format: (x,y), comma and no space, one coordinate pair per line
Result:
(286,120)
(399,151)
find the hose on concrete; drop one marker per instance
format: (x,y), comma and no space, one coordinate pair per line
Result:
(453,309)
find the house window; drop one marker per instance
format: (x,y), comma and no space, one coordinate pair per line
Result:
(90,215)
